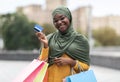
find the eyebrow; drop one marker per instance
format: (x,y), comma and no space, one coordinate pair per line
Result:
(60,16)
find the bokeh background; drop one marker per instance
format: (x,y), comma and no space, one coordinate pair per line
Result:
(98,20)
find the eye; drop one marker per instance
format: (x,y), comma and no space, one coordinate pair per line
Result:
(62,18)
(55,21)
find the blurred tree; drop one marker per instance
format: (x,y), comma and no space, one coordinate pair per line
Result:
(18,32)
(48,28)
(118,40)
(79,30)
(4,18)
(106,36)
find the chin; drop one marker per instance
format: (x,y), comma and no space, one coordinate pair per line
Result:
(62,32)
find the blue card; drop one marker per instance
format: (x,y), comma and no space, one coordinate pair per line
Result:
(38,28)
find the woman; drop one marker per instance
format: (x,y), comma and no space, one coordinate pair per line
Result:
(65,48)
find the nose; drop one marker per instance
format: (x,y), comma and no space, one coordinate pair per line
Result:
(59,22)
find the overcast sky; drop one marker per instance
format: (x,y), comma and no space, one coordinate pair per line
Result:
(100,7)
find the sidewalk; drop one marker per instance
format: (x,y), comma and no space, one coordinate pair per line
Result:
(106,74)
(10,69)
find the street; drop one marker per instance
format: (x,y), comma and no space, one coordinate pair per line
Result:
(10,69)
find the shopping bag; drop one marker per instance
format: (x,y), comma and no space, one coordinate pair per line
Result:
(46,77)
(30,71)
(86,76)
(32,76)
(42,74)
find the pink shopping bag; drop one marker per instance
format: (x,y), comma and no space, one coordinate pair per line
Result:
(30,72)
(31,77)
(42,74)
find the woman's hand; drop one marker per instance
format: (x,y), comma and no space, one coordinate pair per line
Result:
(64,61)
(41,36)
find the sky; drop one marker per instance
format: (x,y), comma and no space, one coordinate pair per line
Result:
(99,7)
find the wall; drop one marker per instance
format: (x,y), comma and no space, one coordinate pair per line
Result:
(111,21)
(110,60)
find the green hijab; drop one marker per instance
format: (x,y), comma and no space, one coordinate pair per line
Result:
(71,43)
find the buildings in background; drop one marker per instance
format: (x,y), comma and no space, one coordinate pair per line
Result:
(41,16)
(110,21)
(82,17)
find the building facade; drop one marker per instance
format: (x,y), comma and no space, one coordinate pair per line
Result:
(107,21)
(82,17)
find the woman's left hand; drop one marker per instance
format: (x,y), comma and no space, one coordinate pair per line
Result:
(64,61)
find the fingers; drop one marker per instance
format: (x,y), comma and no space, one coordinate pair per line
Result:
(40,34)
(64,61)
(59,61)
(42,38)
(46,60)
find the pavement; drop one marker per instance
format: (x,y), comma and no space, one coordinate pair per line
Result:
(10,69)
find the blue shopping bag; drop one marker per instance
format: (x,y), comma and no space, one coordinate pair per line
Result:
(86,76)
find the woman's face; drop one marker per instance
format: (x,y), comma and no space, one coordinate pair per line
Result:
(61,22)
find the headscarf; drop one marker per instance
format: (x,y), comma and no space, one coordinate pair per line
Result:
(71,43)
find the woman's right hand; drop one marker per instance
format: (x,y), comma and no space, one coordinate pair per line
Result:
(41,36)
(64,61)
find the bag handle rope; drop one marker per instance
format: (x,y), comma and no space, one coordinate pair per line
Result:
(79,68)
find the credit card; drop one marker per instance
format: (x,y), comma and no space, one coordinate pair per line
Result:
(38,28)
